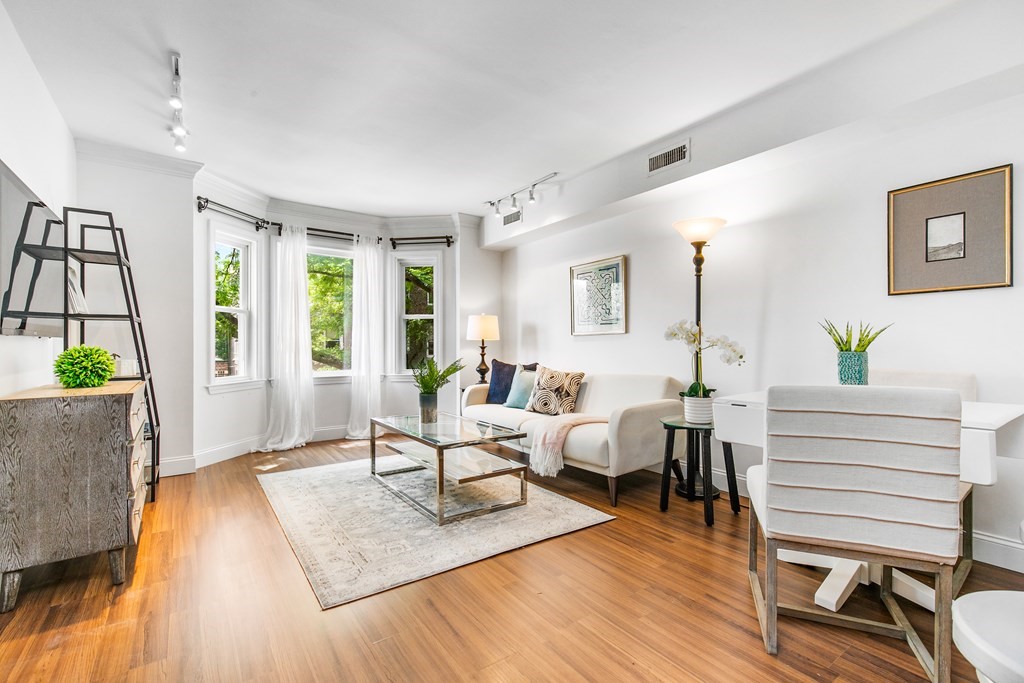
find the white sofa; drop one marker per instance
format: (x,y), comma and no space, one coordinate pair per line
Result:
(632,439)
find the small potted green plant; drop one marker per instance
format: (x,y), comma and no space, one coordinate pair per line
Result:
(84,366)
(853,354)
(429,378)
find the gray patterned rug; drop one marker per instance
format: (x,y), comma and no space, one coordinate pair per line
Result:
(355,538)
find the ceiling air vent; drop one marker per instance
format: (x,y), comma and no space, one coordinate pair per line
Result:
(677,153)
(513,217)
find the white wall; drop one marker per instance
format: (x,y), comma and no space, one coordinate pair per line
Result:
(150,197)
(479,291)
(805,242)
(37,146)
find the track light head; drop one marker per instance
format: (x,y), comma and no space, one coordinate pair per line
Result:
(497,207)
(179,143)
(178,124)
(533,198)
(515,203)
(176,100)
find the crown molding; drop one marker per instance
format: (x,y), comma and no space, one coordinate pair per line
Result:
(350,221)
(229,191)
(115,155)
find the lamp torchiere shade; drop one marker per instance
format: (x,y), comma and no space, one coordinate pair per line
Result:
(483,328)
(696,230)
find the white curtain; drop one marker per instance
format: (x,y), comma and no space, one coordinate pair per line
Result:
(367,335)
(291,398)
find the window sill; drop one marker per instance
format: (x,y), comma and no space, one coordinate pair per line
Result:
(403,377)
(236,385)
(332,379)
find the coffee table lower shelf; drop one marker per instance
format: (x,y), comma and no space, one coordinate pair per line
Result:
(457,466)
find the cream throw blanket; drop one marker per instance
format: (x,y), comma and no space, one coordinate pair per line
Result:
(548,441)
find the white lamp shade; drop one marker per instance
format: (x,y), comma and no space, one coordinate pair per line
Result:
(699,229)
(483,327)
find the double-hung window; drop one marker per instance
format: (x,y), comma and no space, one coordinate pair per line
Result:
(330,309)
(418,311)
(234,337)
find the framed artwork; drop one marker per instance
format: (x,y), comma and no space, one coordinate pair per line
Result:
(598,296)
(954,233)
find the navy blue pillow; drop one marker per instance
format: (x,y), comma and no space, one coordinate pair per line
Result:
(501,380)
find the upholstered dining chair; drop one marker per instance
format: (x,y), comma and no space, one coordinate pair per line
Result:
(864,473)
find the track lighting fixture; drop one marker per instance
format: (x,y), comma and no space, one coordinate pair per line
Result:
(178,130)
(516,206)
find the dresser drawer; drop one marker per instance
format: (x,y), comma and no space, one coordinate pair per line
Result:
(136,462)
(135,505)
(137,414)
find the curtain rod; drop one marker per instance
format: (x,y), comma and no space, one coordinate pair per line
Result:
(204,203)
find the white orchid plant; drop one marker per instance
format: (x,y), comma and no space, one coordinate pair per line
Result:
(691,334)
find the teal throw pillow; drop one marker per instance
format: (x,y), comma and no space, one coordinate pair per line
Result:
(522,387)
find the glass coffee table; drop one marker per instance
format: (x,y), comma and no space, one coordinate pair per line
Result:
(448,448)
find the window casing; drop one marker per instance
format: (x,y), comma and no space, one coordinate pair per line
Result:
(330,310)
(233,319)
(417,302)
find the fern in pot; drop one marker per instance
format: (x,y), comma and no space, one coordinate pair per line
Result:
(429,377)
(697,408)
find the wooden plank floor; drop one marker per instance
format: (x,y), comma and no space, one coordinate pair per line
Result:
(217,595)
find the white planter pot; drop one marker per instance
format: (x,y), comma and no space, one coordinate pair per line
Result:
(697,410)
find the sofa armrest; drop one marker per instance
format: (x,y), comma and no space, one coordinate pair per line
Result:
(475,394)
(636,437)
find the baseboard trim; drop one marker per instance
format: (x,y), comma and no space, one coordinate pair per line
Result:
(212,456)
(998,550)
(330,433)
(173,467)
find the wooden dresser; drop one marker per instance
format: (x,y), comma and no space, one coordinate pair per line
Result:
(72,482)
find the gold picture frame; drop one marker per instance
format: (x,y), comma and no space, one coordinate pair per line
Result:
(952,234)
(597,296)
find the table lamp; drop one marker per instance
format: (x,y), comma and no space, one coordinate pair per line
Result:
(485,328)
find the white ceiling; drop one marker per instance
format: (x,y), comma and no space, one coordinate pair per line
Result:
(407,107)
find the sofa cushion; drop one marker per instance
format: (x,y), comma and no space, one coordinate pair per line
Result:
(501,380)
(602,394)
(499,415)
(585,443)
(555,392)
(522,388)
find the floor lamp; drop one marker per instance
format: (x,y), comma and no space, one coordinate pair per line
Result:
(485,328)
(698,232)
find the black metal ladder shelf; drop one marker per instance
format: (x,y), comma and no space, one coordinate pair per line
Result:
(116,256)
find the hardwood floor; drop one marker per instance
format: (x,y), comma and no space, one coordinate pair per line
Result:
(217,595)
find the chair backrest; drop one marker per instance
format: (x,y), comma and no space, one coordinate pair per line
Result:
(966,385)
(873,469)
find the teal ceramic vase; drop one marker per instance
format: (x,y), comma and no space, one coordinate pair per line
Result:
(853,367)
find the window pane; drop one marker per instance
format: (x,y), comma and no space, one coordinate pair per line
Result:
(227,278)
(419,341)
(229,346)
(330,311)
(419,290)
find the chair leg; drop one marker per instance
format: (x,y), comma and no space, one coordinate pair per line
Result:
(771,645)
(613,490)
(752,550)
(943,623)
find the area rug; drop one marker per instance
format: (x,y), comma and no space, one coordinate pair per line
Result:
(354,538)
